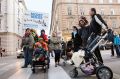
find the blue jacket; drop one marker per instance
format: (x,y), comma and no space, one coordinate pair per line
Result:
(116,40)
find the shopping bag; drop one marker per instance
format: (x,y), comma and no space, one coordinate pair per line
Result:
(77,57)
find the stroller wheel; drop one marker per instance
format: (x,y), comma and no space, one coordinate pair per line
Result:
(104,72)
(73,73)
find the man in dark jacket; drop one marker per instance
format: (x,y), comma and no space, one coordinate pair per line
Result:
(97,24)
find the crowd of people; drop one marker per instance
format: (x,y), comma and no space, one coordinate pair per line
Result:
(31,42)
(79,39)
(97,26)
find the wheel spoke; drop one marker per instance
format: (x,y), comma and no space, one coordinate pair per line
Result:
(104,73)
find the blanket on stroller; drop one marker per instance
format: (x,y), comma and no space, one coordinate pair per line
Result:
(39,54)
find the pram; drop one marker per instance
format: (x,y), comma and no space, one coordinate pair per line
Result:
(40,59)
(92,65)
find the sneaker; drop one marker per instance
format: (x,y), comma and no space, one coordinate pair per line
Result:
(24,66)
(112,55)
(56,65)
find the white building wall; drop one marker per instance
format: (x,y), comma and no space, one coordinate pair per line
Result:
(10,34)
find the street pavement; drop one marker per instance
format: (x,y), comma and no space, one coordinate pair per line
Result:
(111,62)
(10,68)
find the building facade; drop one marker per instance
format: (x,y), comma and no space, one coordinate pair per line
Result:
(11,19)
(66,13)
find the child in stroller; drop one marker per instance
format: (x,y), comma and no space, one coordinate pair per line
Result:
(40,58)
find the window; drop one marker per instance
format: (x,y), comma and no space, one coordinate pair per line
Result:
(110,1)
(0,23)
(69,0)
(0,7)
(18,44)
(82,11)
(101,1)
(69,11)
(0,41)
(102,11)
(91,1)
(112,12)
(118,1)
(80,1)
(114,24)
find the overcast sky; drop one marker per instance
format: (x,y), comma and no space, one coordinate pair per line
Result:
(44,6)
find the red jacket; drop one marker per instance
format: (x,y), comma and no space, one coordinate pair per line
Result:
(45,46)
(45,38)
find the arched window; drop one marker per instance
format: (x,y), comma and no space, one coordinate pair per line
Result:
(69,10)
(82,11)
(102,11)
(112,12)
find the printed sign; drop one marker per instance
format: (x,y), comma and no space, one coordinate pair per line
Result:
(35,20)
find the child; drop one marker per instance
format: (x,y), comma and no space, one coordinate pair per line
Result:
(43,44)
(39,54)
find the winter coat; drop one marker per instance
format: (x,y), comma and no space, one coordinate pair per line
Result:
(28,41)
(55,43)
(95,27)
(76,40)
(45,38)
(84,34)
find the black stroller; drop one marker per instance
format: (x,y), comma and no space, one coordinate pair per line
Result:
(40,59)
(92,65)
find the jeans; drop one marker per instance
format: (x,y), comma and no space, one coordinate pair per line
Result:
(112,50)
(57,55)
(28,56)
(117,48)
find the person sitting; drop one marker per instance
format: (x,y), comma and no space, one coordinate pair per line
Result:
(39,53)
(43,44)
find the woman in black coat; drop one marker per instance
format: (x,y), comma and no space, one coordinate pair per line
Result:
(76,39)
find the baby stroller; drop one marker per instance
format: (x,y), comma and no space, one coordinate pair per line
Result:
(92,65)
(40,59)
